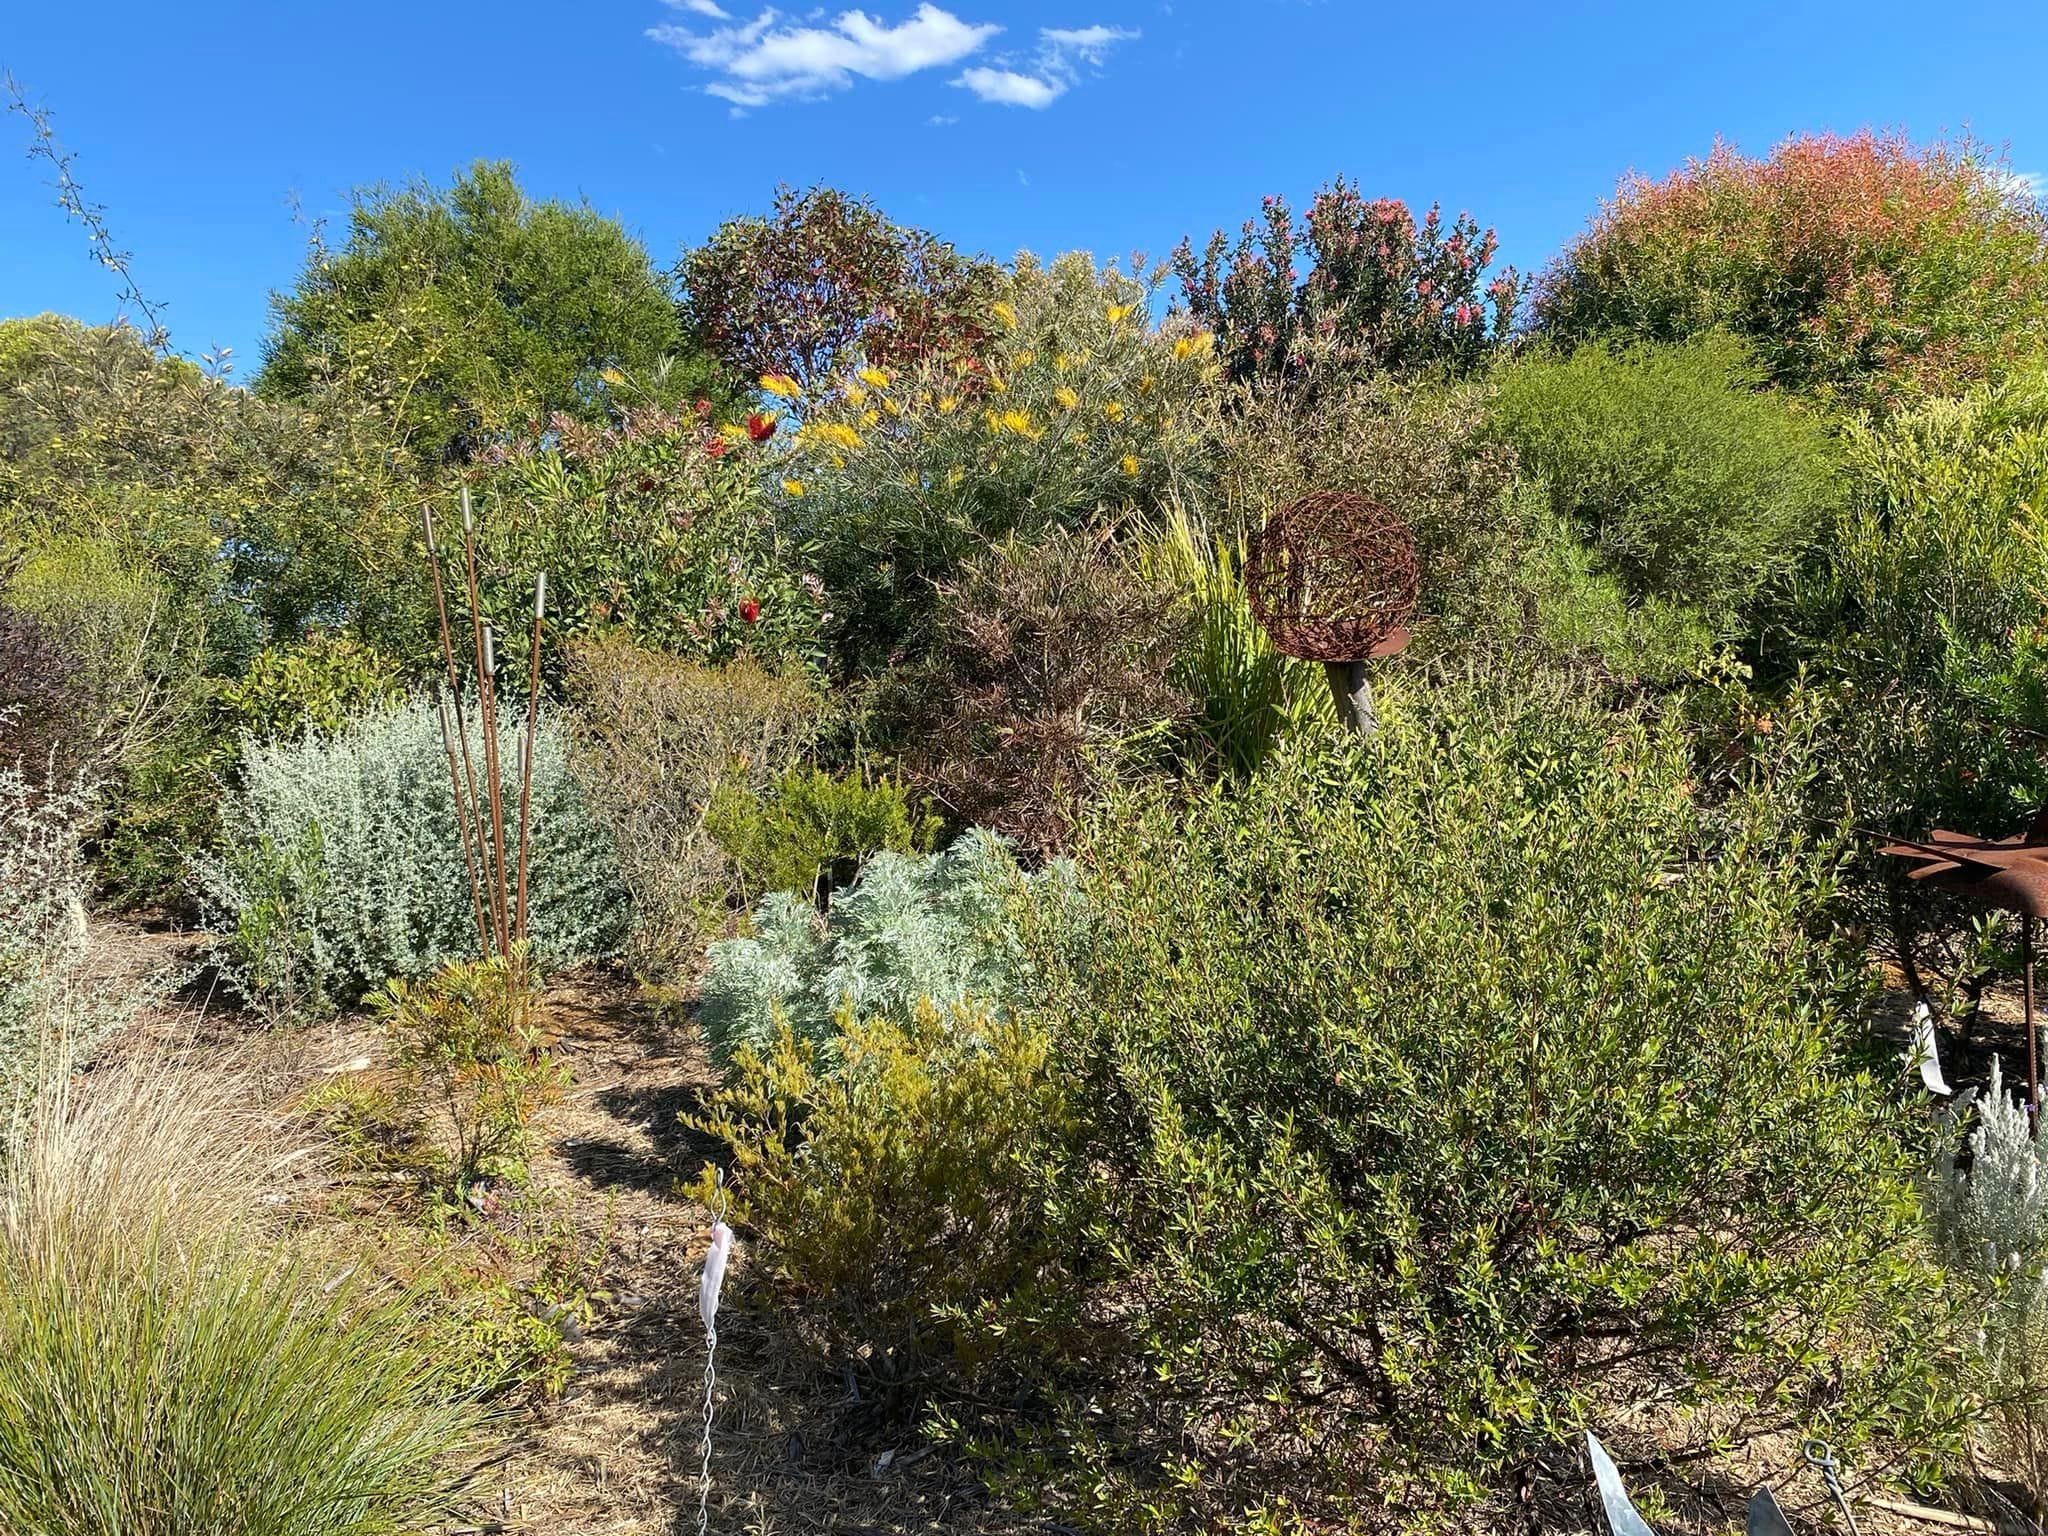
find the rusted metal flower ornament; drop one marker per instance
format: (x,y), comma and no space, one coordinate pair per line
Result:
(1332,578)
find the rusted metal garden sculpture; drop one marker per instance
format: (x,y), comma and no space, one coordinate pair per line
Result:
(2009,874)
(1332,578)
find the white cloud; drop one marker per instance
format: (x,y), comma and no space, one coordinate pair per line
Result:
(2031,185)
(763,61)
(1007,88)
(940,120)
(1062,51)
(702,8)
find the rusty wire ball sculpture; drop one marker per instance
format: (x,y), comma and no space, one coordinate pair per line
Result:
(1332,577)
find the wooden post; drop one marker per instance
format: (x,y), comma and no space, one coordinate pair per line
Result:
(1352,690)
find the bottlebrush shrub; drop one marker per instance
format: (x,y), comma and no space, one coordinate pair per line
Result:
(656,738)
(653,527)
(1859,267)
(341,865)
(891,1191)
(826,281)
(1990,1226)
(1692,484)
(933,926)
(1077,415)
(1382,291)
(1050,671)
(1446,1088)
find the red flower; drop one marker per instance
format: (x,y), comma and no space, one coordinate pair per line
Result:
(703,408)
(750,610)
(717,447)
(760,428)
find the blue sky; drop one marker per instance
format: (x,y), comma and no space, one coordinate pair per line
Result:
(1109,125)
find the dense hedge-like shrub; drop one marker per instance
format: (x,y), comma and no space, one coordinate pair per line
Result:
(316,684)
(1437,1086)
(1858,267)
(1694,486)
(937,927)
(341,866)
(657,737)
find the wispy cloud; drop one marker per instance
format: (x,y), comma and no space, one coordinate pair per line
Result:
(764,61)
(702,8)
(940,120)
(1062,54)
(2031,185)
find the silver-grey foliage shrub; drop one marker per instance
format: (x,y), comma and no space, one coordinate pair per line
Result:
(913,926)
(342,866)
(1991,1229)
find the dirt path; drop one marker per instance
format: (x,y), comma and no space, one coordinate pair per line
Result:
(618,1452)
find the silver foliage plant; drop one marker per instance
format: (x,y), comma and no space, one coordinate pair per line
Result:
(913,926)
(1990,1227)
(342,866)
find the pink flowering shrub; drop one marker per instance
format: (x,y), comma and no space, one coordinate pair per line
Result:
(1381,293)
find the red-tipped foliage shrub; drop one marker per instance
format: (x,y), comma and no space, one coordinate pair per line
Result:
(1859,267)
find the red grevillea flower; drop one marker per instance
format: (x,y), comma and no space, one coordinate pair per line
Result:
(717,447)
(703,408)
(750,611)
(760,428)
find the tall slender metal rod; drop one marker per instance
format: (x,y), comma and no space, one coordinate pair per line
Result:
(540,602)
(487,707)
(465,806)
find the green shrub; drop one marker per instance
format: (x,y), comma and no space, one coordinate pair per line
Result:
(1863,268)
(316,685)
(1930,619)
(1438,1087)
(911,928)
(469,1063)
(655,528)
(1694,486)
(168,1366)
(341,866)
(891,1189)
(656,737)
(810,831)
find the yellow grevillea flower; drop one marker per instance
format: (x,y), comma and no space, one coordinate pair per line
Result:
(856,396)
(781,384)
(793,487)
(892,407)
(874,378)
(998,383)
(612,376)
(1020,423)
(1066,397)
(1198,345)
(1147,384)
(955,475)
(1119,313)
(992,421)
(1131,465)
(1026,358)
(837,433)
(733,432)
(1113,410)
(1006,313)
(869,418)
(1078,438)
(948,404)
